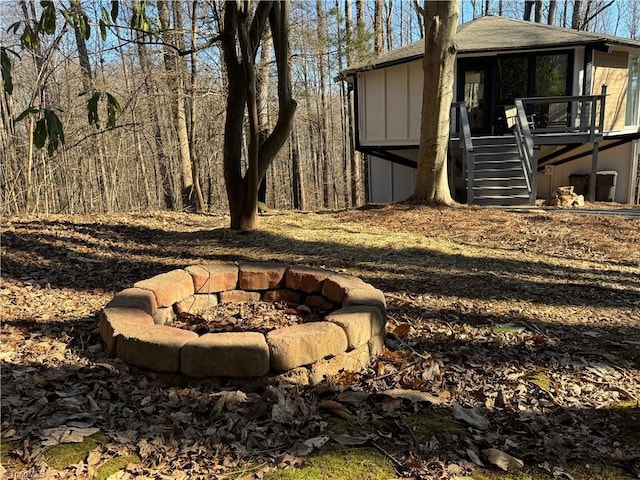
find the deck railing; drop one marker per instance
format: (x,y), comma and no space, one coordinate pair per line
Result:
(463,129)
(567,114)
(524,139)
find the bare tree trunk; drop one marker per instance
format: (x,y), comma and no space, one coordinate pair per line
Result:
(378,44)
(200,205)
(576,16)
(500,8)
(440,19)
(297,180)
(175,81)
(263,103)
(356,158)
(389,24)
(81,44)
(551,18)
(151,91)
(247,30)
(322,41)
(528,7)
(538,11)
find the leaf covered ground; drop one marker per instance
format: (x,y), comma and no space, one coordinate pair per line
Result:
(513,340)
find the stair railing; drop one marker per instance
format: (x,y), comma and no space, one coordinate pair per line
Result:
(524,139)
(466,145)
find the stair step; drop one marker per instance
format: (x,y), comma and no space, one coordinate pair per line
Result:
(496,162)
(502,201)
(497,172)
(513,149)
(494,140)
(491,192)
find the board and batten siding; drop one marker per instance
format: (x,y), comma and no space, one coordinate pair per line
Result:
(612,69)
(390,104)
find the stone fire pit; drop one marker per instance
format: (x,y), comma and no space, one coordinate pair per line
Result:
(137,324)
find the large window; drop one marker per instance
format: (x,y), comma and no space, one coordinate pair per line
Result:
(551,75)
(633,92)
(536,75)
(533,75)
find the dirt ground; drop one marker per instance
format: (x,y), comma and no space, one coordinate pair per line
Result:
(512,331)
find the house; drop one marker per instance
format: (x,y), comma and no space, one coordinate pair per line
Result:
(537,107)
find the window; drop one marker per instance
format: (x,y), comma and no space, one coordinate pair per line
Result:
(633,92)
(551,75)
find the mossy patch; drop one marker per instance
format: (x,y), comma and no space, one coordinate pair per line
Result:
(340,463)
(428,423)
(67,454)
(340,426)
(114,465)
(7,460)
(541,380)
(577,472)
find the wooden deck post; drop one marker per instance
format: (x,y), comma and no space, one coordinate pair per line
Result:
(594,172)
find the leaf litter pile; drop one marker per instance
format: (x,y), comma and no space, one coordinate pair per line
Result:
(513,349)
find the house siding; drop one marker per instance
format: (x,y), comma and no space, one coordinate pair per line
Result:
(391,105)
(611,69)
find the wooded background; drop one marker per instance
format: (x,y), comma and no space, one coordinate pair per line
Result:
(171,86)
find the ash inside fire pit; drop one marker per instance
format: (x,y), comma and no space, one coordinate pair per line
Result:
(259,317)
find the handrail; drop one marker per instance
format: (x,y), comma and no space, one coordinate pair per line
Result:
(581,114)
(524,139)
(466,145)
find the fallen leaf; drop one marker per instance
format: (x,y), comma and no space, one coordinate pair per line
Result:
(346,439)
(414,396)
(336,408)
(64,434)
(474,457)
(402,330)
(470,417)
(508,328)
(503,460)
(352,396)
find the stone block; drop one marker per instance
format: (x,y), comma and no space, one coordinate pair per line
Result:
(164,316)
(283,295)
(239,296)
(169,288)
(115,320)
(344,362)
(335,287)
(199,304)
(318,302)
(306,279)
(364,295)
(376,344)
(261,276)
(360,323)
(296,376)
(304,344)
(135,298)
(153,346)
(214,277)
(233,354)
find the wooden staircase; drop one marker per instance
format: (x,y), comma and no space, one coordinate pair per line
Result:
(498,173)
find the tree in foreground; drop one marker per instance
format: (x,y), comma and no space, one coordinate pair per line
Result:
(440,22)
(245,27)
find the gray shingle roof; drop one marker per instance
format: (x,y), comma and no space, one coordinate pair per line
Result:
(492,34)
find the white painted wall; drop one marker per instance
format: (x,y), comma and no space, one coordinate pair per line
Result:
(391,182)
(390,105)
